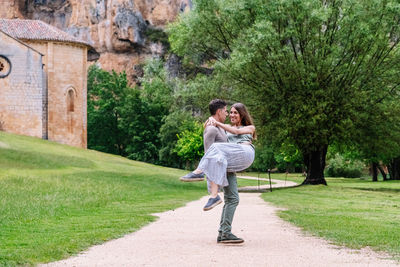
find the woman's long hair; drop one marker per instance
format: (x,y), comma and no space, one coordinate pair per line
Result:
(245,118)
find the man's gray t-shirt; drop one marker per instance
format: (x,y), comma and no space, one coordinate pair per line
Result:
(212,135)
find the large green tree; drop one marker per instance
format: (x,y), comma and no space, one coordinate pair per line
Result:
(306,68)
(378,135)
(124,120)
(106,94)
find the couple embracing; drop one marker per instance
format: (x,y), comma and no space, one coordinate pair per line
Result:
(228,149)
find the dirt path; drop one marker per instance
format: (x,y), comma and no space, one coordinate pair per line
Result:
(265,186)
(187,237)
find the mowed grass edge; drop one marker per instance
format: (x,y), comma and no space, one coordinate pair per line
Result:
(352,212)
(56,200)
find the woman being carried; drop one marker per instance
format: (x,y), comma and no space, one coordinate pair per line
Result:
(236,155)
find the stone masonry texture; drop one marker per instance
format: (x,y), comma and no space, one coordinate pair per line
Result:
(45,93)
(66,69)
(21,92)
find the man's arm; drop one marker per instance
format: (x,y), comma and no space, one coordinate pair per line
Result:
(250,129)
(210,133)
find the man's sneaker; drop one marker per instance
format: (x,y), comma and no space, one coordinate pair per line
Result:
(212,202)
(192,177)
(219,238)
(230,239)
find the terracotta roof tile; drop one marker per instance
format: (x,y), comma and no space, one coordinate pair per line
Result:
(36,30)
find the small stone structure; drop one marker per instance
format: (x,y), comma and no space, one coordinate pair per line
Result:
(43,76)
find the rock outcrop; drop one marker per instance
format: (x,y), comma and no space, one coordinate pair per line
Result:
(117,29)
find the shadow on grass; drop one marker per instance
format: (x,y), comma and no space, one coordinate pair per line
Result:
(384,190)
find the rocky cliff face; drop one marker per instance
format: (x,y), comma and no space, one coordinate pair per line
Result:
(122,31)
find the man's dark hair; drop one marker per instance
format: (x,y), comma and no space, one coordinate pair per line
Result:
(216,104)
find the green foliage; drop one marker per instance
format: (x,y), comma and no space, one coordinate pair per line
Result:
(124,120)
(157,35)
(190,143)
(182,102)
(378,135)
(106,93)
(194,95)
(349,152)
(288,158)
(157,89)
(264,158)
(140,122)
(339,166)
(174,124)
(309,70)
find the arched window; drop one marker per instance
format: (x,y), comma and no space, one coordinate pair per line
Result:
(70,100)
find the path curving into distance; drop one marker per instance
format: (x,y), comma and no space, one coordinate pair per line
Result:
(187,237)
(264,186)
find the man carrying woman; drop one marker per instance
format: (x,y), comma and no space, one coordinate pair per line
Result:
(220,158)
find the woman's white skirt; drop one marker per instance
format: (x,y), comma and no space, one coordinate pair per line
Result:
(221,158)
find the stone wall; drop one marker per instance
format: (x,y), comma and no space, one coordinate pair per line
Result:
(21,92)
(66,68)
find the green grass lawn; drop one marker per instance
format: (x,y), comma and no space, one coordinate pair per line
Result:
(57,200)
(352,212)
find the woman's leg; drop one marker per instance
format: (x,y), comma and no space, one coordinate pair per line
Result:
(223,157)
(214,189)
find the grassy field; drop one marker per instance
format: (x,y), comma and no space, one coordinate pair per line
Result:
(352,212)
(57,200)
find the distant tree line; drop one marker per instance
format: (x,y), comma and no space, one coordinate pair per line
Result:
(153,122)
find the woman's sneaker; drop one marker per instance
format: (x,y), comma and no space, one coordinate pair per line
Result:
(192,177)
(212,202)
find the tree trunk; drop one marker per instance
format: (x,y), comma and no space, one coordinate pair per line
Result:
(382,172)
(394,169)
(374,172)
(315,166)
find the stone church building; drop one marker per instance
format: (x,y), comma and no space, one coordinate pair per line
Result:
(43,76)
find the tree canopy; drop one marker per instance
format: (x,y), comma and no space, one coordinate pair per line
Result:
(310,70)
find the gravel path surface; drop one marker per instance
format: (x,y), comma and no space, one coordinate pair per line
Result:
(187,237)
(264,186)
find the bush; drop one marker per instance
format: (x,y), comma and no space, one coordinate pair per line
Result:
(264,158)
(190,145)
(288,158)
(338,166)
(173,125)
